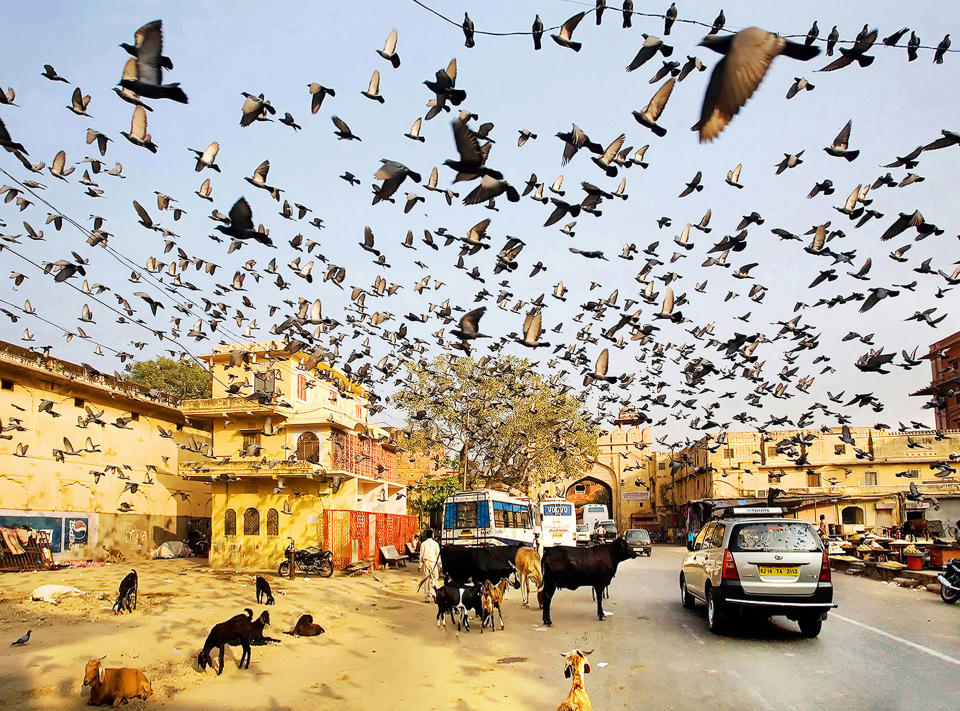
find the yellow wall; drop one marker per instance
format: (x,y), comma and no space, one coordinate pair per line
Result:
(304,524)
(745,466)
(41,488)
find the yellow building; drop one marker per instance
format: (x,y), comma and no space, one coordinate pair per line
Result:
(93,460)
(295,455)
(856,486)
(618,477)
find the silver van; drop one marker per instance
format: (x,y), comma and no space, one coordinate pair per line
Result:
(751,560)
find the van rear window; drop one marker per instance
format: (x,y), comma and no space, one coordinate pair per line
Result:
(776,536)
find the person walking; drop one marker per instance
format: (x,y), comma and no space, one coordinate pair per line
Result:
(429,565)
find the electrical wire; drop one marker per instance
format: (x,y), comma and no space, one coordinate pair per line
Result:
(681,20)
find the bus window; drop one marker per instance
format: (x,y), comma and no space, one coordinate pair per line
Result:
(466,514)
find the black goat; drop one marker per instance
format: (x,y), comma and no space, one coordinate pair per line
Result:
(458,601)
(235,631)
(256,630)
(263,591)
(127,597)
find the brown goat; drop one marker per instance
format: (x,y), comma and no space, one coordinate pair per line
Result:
(490,603)
(306,628)
(113,686)
(577,666)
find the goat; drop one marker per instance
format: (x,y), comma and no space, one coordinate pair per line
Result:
(490,603)
(577,666)
(112,555)
(235,631)
(457,601)
(263,591)
(113,686)
(528,570)
(305,627)
(127,597)
(256,630)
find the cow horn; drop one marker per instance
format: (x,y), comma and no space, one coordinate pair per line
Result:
(586,653)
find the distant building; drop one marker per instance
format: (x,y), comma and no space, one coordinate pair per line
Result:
(618,478)
(856,486)
(93,459)
(944,388)
(295,455)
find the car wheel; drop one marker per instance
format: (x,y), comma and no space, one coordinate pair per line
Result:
(810,626)
(715,612)
(685,597)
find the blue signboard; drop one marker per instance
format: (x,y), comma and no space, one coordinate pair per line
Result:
(557,509)
(74,533)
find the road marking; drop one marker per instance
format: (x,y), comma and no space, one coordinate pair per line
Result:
(895,638)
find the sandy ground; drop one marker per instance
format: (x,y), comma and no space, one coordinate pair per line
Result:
(382,649)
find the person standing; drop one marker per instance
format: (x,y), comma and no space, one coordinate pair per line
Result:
(822,527)
(429,565)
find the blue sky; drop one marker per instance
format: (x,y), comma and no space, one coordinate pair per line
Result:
(256,47)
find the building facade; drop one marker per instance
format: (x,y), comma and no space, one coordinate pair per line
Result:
(855,486)
(93,459)
(294,456)
(944,388)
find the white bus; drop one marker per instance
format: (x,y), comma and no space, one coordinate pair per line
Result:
(593,513)
(488,518)
(558,523)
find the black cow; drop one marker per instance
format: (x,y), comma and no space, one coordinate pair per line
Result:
(571,567)
(465,563)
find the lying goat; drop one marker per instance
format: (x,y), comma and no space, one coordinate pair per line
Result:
(577,666)
(263,591)
(490,603)
(306,628)
(113,686)
(256,630)
(236,631)
(457,602)
(127,597)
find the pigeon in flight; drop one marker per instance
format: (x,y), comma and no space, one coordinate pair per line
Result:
(747,57)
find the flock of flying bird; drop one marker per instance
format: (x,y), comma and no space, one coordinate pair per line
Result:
(370,343)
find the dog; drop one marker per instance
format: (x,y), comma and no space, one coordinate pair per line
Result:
(263,591)
(306,628)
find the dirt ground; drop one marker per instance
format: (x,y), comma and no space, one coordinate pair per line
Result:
(382,649)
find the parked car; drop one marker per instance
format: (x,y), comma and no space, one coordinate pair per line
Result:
(583,534)
(753,559)
(639,540)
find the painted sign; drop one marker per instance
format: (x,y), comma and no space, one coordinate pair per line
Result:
(62,532)
(636,495)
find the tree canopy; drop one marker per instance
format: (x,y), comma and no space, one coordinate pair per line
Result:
(182,379)
(505,425)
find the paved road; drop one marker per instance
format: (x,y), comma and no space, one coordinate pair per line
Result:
(883,648)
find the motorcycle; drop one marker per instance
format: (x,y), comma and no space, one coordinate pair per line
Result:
(950,582)
(309,561)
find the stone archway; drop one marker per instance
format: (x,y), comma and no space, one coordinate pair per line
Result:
(589,490)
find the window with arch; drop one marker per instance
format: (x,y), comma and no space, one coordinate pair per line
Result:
(251,522)
(308,448)
(852,515)
(273,523)
(230,523)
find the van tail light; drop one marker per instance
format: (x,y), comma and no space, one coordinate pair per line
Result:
(729,566)
(825,568)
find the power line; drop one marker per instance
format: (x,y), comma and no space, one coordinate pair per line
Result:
(159,286)
(656,15)
(56,325)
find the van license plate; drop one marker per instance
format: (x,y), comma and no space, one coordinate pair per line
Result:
(779,571)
